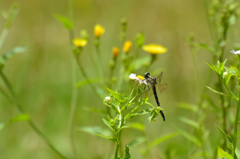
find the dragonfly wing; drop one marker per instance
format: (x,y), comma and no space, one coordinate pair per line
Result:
(161,87)
(159,77)
(146,93)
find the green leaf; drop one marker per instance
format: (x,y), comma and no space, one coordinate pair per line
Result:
(224,154)
(187,106)
(117,95)
(217,92)
(138,63)
(21,117)
(140,38)
(137,126)
(212,104)
(67,23)
(94,130)
(143,112)
(9,54)
(162,139)
(127,154)
(154,113)
(189,122)
(189,136)
(218,68)
(12,15)
(208,48)
(108,137)
(123,127)
(223,133)
(115,108)
(95,110)
(137,141)
(85,82)
(107,123)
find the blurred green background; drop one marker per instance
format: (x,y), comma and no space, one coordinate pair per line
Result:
(42,76)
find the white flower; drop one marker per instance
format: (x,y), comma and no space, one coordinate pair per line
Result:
(107,100)
(138,78)
(132,76)
(235,52)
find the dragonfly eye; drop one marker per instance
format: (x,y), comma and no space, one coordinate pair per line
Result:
(147,74)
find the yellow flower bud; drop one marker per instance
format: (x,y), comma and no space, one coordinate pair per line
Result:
(98,30)
(127,46)
(115,52)
(79,42)
(154,49)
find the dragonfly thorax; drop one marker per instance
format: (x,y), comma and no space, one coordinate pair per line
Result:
(147,74)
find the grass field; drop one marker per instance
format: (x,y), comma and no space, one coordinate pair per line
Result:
(65,91)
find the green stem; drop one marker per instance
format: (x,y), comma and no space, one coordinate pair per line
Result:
(100,61)
(119,137)
(32,125)
(74,90)
(3,36)
(45,139)
(94,63)
(85,76)
(236,127)
(73,110)
(116,151)
(148,152)
(196,71)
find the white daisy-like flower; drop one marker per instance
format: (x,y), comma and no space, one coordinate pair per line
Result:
(139,79)
(132,76)
(235,52)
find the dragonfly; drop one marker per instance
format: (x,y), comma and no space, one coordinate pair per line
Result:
(156,86)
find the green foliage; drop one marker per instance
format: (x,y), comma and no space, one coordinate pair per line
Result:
(139,40)
(11,15)
(9,54)
(224,154)
(67,23)
(127,154)
(121,112)
(163,138)
(189,136)
(20,117)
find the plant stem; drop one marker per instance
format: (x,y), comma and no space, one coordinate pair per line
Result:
(74,90)
(73,109)
(85,76)
(119,134)
(236,127)
(100,63)
(3,36)
(33,126)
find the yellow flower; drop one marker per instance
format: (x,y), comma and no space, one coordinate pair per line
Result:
(154,49)
(127,46)
(98,30)
(140,77)
(79,42)
(115,52)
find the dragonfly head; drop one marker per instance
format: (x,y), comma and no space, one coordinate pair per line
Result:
(147,74)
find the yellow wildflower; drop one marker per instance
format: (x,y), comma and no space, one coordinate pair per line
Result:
(154,49)
(140,77)
(98,30)
(127,46)
(79,42)
(115,52)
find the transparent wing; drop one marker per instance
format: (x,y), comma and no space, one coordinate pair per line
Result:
(159,77)
(148,92)
(161,87)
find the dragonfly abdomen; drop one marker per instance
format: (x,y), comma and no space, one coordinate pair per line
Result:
(157,101)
